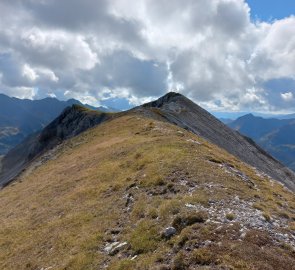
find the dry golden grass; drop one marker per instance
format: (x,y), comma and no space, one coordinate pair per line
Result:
(61,214)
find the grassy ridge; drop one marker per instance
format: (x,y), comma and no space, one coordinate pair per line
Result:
(126,181)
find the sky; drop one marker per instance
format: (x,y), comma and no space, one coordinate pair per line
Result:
(226,55)
(269,10)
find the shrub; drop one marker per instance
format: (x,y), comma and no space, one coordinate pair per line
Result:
(230,216)
(179,262)
(258,238)
(169,207)
(198,217)
(182,221)
(266,216)
(292,226)
(202,256)
(123,265)
(258,206)
(284,215)
(159,181)
(153,213)
(145,237)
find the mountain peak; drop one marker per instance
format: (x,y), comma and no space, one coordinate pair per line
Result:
(249,115)
(167,98)
(171,94)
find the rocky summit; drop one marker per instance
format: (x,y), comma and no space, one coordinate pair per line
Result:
(162,186)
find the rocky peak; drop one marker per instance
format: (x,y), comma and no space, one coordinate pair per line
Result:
(169,97)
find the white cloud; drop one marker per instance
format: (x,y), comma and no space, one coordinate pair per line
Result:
(29,73)
(208,50)
(48,74)
(52,95)
(274,55)
(58,49)
(20,92)
(288,96)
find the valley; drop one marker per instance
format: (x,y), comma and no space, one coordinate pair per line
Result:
(276,136)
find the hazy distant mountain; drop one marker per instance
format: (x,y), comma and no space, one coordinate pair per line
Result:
(287,116)
(21,117)
(226,120)
(256,127)
(276,136)
(236,115)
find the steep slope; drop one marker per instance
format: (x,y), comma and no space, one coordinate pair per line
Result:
(70,123)
(137,193)
(181,111)
(274,135)
(22,117)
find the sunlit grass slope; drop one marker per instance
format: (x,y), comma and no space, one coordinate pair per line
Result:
(126,181)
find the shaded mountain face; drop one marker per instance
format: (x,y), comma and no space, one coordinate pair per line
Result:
(22,117)
(71,122)
(276,136)
(138,193)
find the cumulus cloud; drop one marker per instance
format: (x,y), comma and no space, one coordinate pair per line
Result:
(288,96)
(138,50)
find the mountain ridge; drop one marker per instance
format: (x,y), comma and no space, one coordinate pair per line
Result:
(179,110)
(183,112)
(137,193)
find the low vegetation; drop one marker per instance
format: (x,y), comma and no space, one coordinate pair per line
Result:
(105,199)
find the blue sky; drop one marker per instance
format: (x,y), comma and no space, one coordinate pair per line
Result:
(266,10)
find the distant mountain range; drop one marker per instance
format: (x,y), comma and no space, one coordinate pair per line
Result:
(276,136)
(22,117)
(235,115)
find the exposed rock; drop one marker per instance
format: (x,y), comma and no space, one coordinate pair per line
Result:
(169,232)
(194,141)
(233,171)
(247,216)
(129,199)
(113,248)
(110,247)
